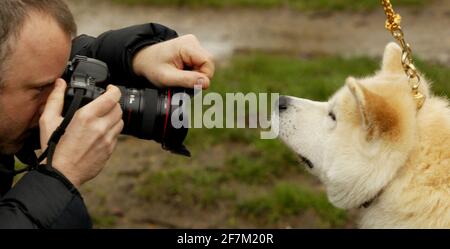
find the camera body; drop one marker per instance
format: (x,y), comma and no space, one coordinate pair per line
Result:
(146,112)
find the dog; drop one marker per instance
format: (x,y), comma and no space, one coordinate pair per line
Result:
(374,150)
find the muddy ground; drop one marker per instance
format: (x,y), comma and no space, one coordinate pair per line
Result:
(225,32)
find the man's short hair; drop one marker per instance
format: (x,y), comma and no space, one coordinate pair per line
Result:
(14,13)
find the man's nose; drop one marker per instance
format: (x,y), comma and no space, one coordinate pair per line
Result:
(283,102)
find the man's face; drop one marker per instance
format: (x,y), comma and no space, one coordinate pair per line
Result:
(39,56)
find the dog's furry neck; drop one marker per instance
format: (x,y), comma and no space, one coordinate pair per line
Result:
(372,200)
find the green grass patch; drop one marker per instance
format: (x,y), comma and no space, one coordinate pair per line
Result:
(104,221)
(287,200)
(316,78)
(268,161)
(184,186)
(316,5)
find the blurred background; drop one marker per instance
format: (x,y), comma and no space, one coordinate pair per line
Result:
(303,48)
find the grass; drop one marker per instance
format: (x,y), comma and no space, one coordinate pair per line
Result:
(315,5)
(287,199)
(104,220)
(233,168)
(314,78)
(183,186)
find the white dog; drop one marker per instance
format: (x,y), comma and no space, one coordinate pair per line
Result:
(374,150)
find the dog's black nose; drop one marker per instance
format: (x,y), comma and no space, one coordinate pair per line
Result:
(282,103)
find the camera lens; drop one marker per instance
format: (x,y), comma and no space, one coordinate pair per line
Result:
(147,114)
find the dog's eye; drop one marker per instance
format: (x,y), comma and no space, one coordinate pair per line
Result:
(332,115)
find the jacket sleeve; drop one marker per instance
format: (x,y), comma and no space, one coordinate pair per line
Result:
(43,199)
(117,48)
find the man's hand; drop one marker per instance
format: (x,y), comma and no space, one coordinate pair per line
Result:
(178,62)
(89,139)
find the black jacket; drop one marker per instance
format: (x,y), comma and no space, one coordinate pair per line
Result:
(44,198)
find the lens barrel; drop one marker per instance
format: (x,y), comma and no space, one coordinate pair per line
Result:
(147,114)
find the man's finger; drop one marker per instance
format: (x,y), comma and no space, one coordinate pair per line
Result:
(105,103)
(187,79)
(199,59)
(55,101)
(115,130)
(111,118)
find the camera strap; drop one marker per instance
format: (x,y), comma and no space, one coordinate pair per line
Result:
(59,132)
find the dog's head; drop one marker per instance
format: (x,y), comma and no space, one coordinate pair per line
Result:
(356,142)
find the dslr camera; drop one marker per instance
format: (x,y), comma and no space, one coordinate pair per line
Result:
(147,112)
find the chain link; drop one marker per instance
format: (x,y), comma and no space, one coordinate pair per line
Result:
(393,24)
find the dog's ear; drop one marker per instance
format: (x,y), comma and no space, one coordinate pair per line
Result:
(392,59)
(377,116)
(359,93)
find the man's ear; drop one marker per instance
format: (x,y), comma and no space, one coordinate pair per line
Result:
(377,116)
(392,59)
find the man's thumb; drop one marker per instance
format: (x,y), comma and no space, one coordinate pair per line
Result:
(55,101)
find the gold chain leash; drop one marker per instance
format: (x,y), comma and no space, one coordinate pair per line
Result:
(393,24)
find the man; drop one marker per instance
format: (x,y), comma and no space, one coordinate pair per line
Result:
(35,45)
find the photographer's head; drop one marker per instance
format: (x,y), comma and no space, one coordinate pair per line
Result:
(35,42)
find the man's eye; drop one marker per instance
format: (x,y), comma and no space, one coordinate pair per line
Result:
(38,91)
(42,88)
(332,115)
